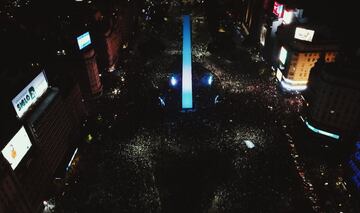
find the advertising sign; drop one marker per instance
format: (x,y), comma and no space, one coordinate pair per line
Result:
(288,16)
(283,55)
(30,94)
(278,9)
(304,34)
(84,40)
(16,149)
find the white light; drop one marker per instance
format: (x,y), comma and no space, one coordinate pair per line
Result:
(294,82)
(216,99)
(249,144)
(173,81)
(304,34)
(72,158)
(290,87)
(263,35)
(16,149)
(283,55)
(288,16)
(210,80)
(279,75)
(162,102)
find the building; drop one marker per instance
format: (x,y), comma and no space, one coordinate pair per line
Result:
(12,198)
(49,123)
(299,48)
(252,12)
(89,77)
(333,100)
(278,13)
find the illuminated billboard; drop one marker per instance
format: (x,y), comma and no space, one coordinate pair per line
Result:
(279,74)
(84,40)
(30,94)
(304,34)
(288,16)
(263,35)
(283,55)
(17,148)
(278,9)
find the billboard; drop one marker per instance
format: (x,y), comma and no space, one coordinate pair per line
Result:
(288,16)
(17,148)
(283,55)
(84,40)
(278,9)
(263,35)
(30,94)
(304,34)
(279,74)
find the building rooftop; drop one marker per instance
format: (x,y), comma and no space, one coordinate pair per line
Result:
(324,39)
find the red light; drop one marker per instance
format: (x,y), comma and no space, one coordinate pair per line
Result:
(278,9)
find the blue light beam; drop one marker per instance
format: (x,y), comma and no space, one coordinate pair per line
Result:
(187,99)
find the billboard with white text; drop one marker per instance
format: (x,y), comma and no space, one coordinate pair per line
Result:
(30,94)
(304,34)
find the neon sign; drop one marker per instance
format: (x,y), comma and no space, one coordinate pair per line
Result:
(278,9)
(322,132)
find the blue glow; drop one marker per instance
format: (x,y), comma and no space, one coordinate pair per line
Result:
(322,132)
(356,177)
(83,40)
(210,79)
(162,102)
(173,81)
(187,100)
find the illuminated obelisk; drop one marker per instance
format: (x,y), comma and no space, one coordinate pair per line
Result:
(187,99)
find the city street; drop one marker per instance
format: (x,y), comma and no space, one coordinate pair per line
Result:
(236,156)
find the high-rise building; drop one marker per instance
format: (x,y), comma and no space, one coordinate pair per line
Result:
(299,48)
(12,198)
(333,100)
(89,79)
(50,123)
(278,13)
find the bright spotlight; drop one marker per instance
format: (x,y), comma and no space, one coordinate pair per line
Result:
(162,102)
(210,80)
(173,81)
